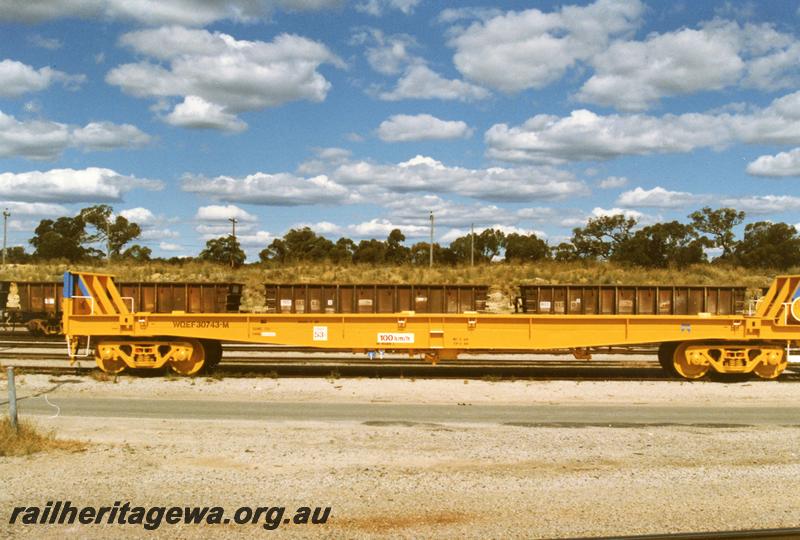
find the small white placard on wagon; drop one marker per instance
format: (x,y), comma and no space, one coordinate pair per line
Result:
(320,333)
(386,338)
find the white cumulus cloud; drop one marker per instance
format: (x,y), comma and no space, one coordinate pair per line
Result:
(282,189)
(219,76)
(378,7)
(598,211)
(16,208)
(781,164)
(531,49)
(381,227)
(154,12)
(43,139)
(423,173)
(195,112)
(763,204)
(413,210)
(169,246)
(404,127)
(321,227)
(421,82)
(612,182)
(259,239)
(223,213)
(139,215)
(92,184)
(108,136)
(585,135)
(659,197)
(387,55)
(17,78)
(633,75)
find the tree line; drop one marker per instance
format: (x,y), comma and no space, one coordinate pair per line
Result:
(614,238)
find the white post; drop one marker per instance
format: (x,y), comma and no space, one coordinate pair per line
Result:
(233,221)
(12,399)
(472,245)
(431,247)
(6,215)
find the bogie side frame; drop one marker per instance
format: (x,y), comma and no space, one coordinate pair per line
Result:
(107,326)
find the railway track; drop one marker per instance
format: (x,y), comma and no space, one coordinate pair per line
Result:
(23,339)
(49,355)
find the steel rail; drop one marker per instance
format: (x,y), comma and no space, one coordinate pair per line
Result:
(333,369)
(56,343)
(340,359)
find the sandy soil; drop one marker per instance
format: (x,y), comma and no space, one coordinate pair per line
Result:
(408,390)
(390,480)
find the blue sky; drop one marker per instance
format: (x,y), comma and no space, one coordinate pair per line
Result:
(356,117)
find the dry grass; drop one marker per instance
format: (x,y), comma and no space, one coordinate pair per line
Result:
(30,440)
(99,376)
(501,277)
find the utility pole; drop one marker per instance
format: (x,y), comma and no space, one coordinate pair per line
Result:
(431,247)
(108,240)
(472,245)
(6,215)
(233,221)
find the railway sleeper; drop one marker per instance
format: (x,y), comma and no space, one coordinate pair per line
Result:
(691,360)
(185,357)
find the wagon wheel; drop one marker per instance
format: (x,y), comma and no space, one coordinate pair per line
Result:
(771,371)
(213,353)
(112,366)
(193,363)
(683,367)
(666,352)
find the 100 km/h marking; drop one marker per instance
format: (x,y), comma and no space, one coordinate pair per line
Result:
(395,337)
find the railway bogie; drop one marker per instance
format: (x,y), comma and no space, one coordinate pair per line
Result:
(184,357)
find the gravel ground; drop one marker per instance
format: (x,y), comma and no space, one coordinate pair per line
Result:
(400,480)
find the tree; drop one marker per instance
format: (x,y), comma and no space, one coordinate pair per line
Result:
(396,252)
(276,251)
(601,236)
(342,251)
(225,250)
(420,254)
(298,245)
(17,255)
(462,249)
(661,245)
(137,253)
(488,244)
(60,239)
(768,245)
(719,224)
(565,252)
(370,251)
(520,247)
(113,233)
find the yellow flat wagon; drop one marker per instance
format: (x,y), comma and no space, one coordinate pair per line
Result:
(97,318)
